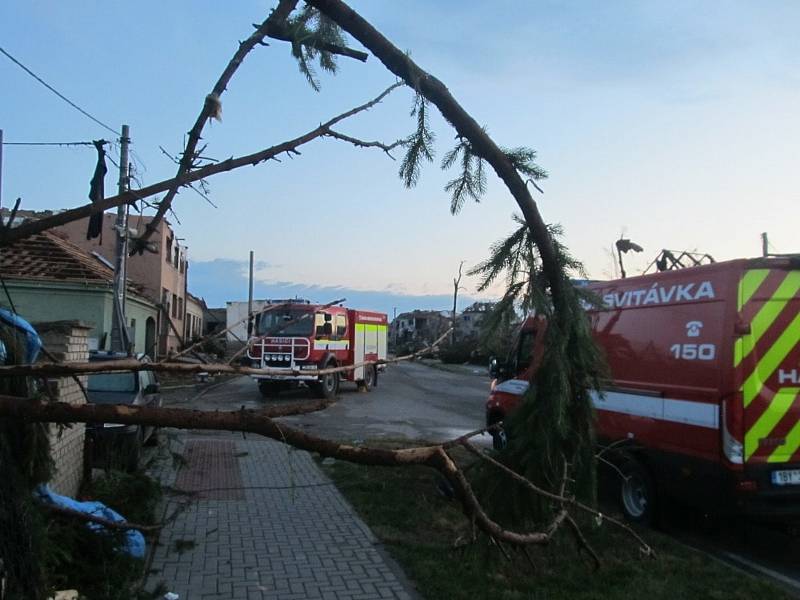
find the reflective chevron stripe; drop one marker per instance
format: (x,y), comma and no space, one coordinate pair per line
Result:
(768,313)
(778,408)
(768,301)
(771,360)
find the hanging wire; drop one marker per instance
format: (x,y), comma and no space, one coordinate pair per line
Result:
(50,143)
(56,92)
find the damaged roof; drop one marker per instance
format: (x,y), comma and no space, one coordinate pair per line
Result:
(46,256)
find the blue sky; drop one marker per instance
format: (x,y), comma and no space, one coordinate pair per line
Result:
(672,122)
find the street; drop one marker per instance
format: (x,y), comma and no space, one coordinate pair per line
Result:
(411,401)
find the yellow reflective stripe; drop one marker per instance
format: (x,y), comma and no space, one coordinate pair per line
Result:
(766,316)
(771,359)
(777,409)
(791,445)
(370,326)
(749,284)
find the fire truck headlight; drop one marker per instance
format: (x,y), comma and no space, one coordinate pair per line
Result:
(287,357)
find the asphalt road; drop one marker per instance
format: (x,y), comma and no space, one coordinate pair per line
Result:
(411,401)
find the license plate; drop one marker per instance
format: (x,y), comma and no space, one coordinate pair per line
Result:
(791,477)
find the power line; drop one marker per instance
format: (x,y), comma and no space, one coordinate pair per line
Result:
(49,143)
(56,92)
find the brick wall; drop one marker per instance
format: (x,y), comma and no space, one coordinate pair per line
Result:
(67,341)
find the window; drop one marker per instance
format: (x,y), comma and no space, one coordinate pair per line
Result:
(180,308)
(285,323)
(168,252)
(176,257)
(322,324)
(341,325)
(174,306)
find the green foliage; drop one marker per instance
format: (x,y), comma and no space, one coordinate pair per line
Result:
(522,158)
(471,182)
(458,353)
(24,463)
(553,426)
(497,329)
(133,495)
(419,144)
(310,30)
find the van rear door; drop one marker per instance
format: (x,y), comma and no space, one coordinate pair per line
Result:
(767,363)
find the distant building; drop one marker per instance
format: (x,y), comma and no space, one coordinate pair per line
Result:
(468,323)
(195,316)
(48,278)
(423,326)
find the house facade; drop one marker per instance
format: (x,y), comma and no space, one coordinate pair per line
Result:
(423,326)
(195,317)
(468,323)
(50,279)
(162,274)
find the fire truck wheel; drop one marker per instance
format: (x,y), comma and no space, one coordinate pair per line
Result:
(637,492)
(328,385)
(369,377)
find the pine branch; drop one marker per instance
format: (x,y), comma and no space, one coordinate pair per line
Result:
(471,183)
(420,144)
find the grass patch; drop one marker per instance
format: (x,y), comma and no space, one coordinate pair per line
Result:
(74,557)
(421,529)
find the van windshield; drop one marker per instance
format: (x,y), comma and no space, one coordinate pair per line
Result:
(524,351)
(285,322)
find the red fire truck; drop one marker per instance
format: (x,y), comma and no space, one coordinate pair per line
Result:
(704,399)
(291,338)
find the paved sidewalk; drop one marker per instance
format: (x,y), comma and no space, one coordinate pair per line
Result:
(262,521)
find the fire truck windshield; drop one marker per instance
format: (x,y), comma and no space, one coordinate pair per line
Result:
(286,322)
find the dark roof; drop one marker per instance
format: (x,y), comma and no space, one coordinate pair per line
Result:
(46,256)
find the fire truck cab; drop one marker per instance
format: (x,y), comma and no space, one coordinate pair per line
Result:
(703,403)
(295,337)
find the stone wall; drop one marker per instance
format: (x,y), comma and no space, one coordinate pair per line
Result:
(67,341)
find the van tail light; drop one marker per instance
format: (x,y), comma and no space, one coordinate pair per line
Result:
(733,448)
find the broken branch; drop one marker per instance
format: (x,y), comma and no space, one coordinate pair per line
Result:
(29,228)
(118,525)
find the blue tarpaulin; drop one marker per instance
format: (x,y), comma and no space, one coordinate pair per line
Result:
(33,344)
(133,542)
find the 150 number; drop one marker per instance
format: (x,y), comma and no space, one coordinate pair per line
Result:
(694,351)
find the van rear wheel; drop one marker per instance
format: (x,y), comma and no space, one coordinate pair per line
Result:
(637,492)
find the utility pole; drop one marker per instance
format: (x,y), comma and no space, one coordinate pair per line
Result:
(119,324)
(1,170)
(250,300)
(764,244)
